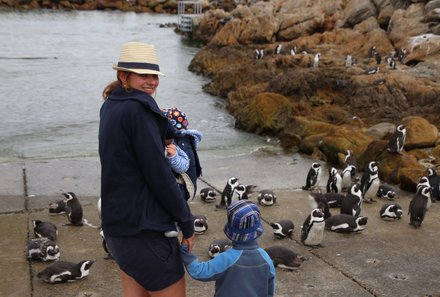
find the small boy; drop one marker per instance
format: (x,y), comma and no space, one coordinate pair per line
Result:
(188,140)
(244,270)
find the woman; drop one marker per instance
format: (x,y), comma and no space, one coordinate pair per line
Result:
(141,200)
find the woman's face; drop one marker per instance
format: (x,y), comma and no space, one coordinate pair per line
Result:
(143,82)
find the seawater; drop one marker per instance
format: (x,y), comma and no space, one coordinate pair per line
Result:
(55,64)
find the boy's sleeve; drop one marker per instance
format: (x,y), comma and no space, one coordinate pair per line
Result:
(209,270)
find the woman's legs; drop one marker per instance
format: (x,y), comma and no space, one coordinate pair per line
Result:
(131,288)
(178,289)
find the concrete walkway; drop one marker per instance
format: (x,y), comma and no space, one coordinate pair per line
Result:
(386,259)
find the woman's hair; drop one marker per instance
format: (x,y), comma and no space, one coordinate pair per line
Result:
(113,85)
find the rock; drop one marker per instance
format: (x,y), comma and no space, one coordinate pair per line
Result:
(358,10)
(433,4)
(382,130)
(420,133)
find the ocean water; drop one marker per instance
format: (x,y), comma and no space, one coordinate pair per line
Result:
(55,65)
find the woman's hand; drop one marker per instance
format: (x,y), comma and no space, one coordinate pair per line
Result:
(189,242)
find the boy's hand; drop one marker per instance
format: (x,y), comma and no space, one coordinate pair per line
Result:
(171,149)
(189,242)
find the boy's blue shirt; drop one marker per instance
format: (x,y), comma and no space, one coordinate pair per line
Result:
(244,270)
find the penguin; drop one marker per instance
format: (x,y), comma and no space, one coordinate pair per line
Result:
(378,58)
(43,249)
(45,229)
(348,174)
(219,246)
(379,81)
(352,202)
(345,223)
(397,140)
(266,198)
(75,211)
(392,63)
(334,182)
(434,181)
(227,193)
(372,70)
(371,52)
(424,182)
(348,61)
(334,199)
(258,54)
(243,192)
(316,60)
(313,176)
(370,182)
(417,206)
(283,257)
(57,207)
(312,232)
(350,159)
(62,271)
(293,50)
(386,192)
(278,49)
(208,194)
(200,224)
(282,228)
(318,200)
(402,54)
(391,211)
(105,246)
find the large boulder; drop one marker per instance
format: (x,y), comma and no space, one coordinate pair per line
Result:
(420,133)
(357,11)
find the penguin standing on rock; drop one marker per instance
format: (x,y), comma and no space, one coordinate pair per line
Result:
(208,194)
(391,211)
(62,271)
(284,257)
(370,182)
(228,192)
(397,140)
(334,182)
(282,228)
(417,206)
(316,60)
(352,202)
(345,223)
(312,232)
(45,229)
(75,211)
(434,181)
(313,176)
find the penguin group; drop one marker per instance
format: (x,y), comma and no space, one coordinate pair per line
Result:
(44,248)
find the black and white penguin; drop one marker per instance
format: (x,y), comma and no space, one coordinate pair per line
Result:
(424,182)
(350,159)
(316,60)
(75,211)
(397,140)
(313,176)
(312,232)
(43,249)
(418,206)
(208,194)
(62,271)
(434,181)
(348,61)
(57,207)
(278,49)
(266,198)
(45,229)
(345,223)
(318,200)
(402,54)
(372,70)
(293,50)
(385,191)
(282,228)
(259,54)
(379,82)
(352,202)
(242,192)
(392,63)
(334,199)
(334,182)
(219,246)
(348,176)
(370,182)
(371,52)
(200,224)
(283,257)
(391,211)
(227,193)
(105,246)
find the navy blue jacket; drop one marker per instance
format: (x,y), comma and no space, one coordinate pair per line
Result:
(138,189)
(245,270)
(186,143)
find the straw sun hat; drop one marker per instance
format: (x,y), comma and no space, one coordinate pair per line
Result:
(138,57)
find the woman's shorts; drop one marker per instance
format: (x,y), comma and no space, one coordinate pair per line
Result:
(149,257)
